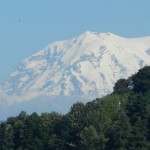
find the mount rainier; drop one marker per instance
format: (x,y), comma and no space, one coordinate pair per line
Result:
(87,65)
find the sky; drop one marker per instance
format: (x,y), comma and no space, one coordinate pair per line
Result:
(27,26)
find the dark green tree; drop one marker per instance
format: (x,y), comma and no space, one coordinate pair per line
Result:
(91,140)
(121,86)
(119,133)
(6,136)
(141,80)
(32,133)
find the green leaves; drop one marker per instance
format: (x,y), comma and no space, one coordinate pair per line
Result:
(141,80)
(6,136)
(119,132)
(121,86)
(91,140)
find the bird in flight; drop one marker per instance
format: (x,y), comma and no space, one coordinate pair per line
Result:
(20,20)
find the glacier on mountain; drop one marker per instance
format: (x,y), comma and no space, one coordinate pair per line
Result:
(87,65)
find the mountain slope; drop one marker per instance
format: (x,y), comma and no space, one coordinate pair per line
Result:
(87,65)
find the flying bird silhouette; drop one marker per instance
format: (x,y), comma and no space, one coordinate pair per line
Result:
(20,20)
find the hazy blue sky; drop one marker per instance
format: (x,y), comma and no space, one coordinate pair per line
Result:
(45,21)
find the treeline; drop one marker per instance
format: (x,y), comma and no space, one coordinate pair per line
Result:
(119,121)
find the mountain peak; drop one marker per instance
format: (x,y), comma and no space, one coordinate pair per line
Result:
(88,64)
(87,35)
(98,35)
(90,33)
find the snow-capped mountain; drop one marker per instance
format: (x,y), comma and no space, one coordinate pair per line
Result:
(87,65)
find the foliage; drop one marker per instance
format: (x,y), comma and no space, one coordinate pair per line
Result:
(121,86)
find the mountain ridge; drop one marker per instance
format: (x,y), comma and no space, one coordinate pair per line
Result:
(88,65)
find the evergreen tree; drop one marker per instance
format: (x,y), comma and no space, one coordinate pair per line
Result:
(119,133)
(6,136)
(121,86)
(91,140)
(141,80)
